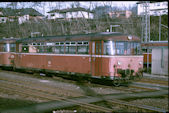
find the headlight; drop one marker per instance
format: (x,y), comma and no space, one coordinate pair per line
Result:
(12,56)
(119,63)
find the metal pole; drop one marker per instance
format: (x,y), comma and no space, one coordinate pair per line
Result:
(146,21)
(142,32)
(149,28)
(160,27)
(111,28)
(147,58)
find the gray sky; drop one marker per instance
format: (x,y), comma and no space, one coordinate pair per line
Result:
(47,6)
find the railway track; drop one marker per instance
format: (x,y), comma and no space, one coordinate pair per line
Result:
(43,87)
(71,93)
(84,103)
(50,97)
(42,92)
(135,87)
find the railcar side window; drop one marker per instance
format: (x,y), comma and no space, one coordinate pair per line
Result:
(57,49)
(40,49)
(12,47)
(49,49)
(83,49)
(71,49)
(1,47)
(62,49)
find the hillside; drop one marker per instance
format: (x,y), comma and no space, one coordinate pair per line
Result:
(76,26)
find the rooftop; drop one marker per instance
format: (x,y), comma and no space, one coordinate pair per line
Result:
(19,12)
(81,37)
(70,10)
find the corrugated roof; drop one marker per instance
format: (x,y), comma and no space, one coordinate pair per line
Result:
(10,40)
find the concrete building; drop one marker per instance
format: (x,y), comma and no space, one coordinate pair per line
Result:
(20,15)
(158,56)
(69,13)
(160,61)
(120,14)
(155,8)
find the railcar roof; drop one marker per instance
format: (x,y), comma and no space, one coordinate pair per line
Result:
(155,44)
(8,40)
(81,37)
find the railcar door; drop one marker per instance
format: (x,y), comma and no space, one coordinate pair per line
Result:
(97,58)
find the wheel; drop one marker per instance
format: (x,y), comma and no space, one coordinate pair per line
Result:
(138,76)
(116,82)
(126,80)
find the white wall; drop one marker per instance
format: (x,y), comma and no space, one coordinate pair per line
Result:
(56,15)
(77,14)
(159,61)
(23,19)
(153,8)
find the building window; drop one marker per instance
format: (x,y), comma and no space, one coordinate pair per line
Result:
(52,15)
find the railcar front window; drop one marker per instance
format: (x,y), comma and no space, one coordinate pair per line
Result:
(137,48)
(120,48)
(128,51)
(5,48)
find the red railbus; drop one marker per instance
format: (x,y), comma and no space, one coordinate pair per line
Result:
(7,52)
(94,54)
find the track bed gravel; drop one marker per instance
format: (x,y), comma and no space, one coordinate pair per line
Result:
(75,89)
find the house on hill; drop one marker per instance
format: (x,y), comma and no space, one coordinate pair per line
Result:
(20,15)
(120,14)
(70,13)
